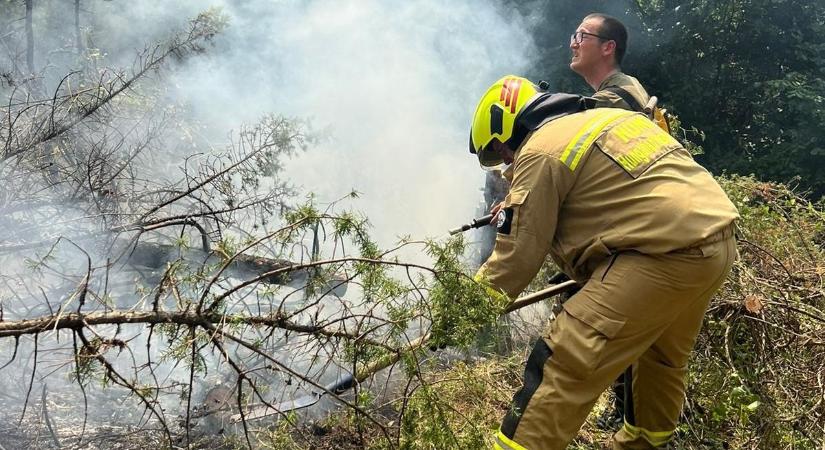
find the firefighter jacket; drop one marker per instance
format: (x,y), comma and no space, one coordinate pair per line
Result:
(592,184)
(607,99)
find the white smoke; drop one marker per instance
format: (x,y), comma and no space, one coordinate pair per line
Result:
(395,82)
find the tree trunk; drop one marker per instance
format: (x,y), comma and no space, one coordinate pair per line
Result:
(29,36)
(78,35)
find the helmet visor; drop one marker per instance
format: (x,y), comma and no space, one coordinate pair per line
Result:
(489,158)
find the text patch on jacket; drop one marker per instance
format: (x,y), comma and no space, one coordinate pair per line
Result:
(636,143)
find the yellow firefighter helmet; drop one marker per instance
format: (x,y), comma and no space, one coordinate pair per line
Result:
(496,115)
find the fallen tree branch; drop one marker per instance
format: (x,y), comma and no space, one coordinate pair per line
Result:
(388,360)
(76,321)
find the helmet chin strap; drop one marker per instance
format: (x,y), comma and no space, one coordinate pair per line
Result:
(503,167)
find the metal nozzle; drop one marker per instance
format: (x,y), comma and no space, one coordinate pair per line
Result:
(476,223)
(460,229)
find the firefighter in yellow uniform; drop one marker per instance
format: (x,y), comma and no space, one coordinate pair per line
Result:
(625,211)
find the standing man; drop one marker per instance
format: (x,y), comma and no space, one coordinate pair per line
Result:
(623,209)
(598,46)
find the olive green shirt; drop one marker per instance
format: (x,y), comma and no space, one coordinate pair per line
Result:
(607,99)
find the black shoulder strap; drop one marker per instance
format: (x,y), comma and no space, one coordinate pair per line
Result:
(629,99)
(544,108)
(551,106)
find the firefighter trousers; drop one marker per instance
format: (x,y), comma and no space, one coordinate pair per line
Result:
(638,311)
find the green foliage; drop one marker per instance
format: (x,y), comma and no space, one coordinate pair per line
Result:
(757,65)
(456,408)
(360,352)
(783,223)
(423,425)
(460,307)
(745,77)
(688,137)
(179,349)
(86,366)
(279,138)
(280,437)
(226,247)
(753,379)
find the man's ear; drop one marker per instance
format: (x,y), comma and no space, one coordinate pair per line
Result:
(609,48)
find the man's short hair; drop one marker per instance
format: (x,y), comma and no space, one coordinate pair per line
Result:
(612,29)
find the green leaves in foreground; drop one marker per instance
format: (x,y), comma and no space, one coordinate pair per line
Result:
(459,306)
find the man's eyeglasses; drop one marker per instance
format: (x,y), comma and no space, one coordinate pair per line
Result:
(578,37)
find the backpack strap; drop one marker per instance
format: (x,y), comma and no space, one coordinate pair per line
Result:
(629,99)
